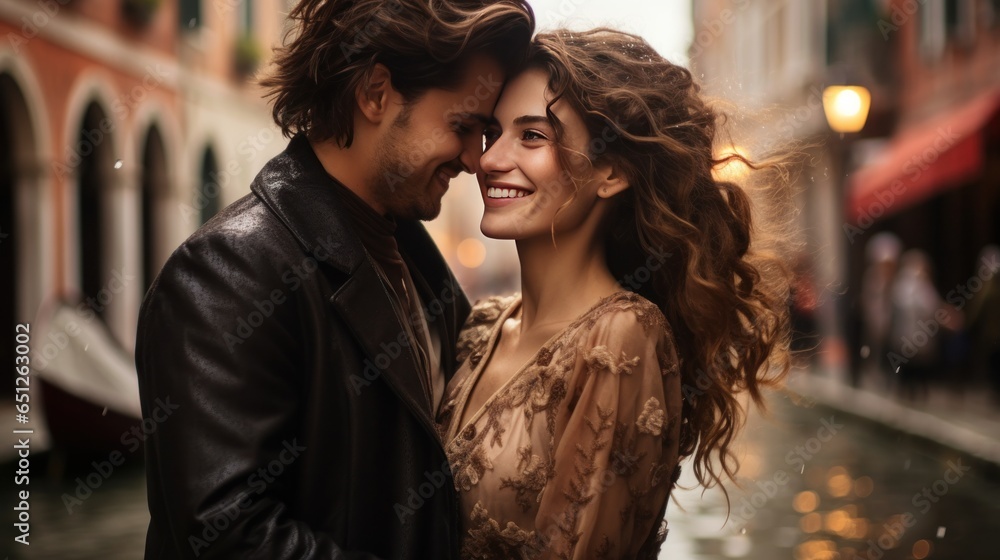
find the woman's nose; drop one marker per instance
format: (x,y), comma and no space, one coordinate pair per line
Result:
(496,158)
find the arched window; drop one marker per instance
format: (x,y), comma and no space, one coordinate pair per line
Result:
(94,149)
(154,191)
(209,191)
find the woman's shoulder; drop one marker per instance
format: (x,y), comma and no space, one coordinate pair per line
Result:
(629,313)
(484,315)
(627,321)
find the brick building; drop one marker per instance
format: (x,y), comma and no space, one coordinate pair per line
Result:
(124,125)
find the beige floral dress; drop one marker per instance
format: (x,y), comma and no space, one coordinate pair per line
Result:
(576,454)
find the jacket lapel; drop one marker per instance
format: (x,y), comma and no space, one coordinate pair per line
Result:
(300,192)
(435,284)
(365,306)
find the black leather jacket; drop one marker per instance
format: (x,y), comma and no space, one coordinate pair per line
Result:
(298,426)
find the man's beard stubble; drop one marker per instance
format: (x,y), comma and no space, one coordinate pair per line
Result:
(397,185)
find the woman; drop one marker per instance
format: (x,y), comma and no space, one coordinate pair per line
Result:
(642,314)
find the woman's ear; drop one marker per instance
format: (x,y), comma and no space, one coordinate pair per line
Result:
(374,94)
(610,179)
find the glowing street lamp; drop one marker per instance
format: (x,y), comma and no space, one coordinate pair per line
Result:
(846,107)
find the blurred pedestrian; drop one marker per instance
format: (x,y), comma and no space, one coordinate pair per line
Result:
(882,253)
(914,348)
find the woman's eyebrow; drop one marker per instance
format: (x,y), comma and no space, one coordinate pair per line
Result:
(531,119)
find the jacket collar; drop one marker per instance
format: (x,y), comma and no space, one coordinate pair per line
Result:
(298,190)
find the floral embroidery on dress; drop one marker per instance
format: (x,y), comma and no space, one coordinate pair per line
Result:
(600,358)
(469,474)
(544,356)
(652,418)
(579,432)
(625,458)
(535,473)
(487,541)
(476,332)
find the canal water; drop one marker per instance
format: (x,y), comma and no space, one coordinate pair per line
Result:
(816,485)
(819,485)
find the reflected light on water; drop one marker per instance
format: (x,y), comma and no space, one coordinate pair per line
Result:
(811,523)
(839,485)
(839,521)
(921,549)
(816,550)
(805,502)
(834,471)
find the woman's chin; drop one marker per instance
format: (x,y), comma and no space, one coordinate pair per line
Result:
(500,228)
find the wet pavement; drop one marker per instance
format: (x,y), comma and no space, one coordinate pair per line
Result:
(108,524)
(817,485)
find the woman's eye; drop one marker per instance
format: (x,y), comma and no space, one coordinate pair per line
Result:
(530,135)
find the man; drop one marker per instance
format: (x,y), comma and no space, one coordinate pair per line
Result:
(302,338)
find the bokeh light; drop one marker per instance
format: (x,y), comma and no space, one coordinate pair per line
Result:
(471,253)
(805,502)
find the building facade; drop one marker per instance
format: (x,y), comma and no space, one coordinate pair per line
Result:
(925,165)
(124,125)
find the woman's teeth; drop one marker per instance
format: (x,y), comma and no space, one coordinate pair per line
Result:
(494,192)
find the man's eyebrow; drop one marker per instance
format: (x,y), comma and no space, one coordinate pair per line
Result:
(482,119)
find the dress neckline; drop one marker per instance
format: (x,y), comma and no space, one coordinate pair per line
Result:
(456,427)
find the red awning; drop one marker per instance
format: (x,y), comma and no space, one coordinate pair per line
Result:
(940,154)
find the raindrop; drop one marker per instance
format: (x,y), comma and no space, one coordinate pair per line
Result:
(898,368)
(104,412)
(118,164)
(865,351)
(743,531)
(86,347)
(940,533)
(802,469)
(906,465)
(192,22)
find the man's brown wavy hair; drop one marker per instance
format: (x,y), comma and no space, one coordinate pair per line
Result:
(725,284)
(333,46)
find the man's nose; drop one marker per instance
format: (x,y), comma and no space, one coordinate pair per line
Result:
(472,150)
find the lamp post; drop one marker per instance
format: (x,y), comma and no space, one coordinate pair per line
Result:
(846,108)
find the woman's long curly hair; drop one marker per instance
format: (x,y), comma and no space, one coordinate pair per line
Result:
(724,286)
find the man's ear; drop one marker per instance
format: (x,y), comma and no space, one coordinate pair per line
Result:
(374,94)
(610,180)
